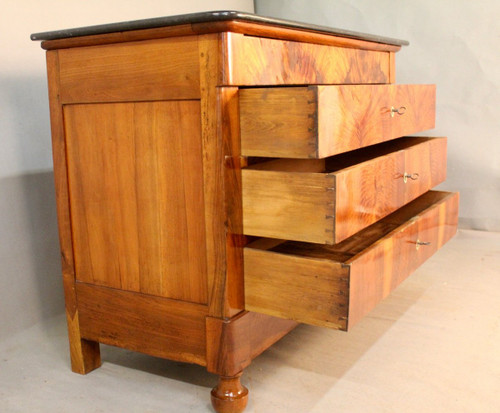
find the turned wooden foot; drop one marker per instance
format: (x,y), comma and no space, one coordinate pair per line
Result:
(230,396)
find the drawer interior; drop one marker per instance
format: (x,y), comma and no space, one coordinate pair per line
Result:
(349,248)
(337,162)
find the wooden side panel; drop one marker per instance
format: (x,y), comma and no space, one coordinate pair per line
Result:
(233,344)
(292,133)
(257,61)
(367,192)
(149,70)
(381,268)
(136,193)
(311,291)
(288,205)
(152,325)
(85,355)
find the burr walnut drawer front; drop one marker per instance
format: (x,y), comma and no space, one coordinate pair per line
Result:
(321,121)
(327,200)
(335,286)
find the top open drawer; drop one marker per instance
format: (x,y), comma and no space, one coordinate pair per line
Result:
(320,121)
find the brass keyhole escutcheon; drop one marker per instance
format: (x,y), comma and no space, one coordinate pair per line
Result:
(419,243)
(413,177)
(400,111)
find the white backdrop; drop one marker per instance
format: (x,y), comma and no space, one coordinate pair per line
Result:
(454,44)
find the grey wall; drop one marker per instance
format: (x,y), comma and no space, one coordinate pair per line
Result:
(455,44)
(30,274)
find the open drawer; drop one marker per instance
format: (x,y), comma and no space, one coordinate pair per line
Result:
(325,120)
(335,286)
(328,200)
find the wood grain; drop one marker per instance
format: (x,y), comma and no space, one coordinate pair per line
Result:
(288,205)
(228,130)
(229,396)
(378,270)
(335,286)
(232,344)
(254,61)
(327,202)
(84,354)
(322,121)
(149,70)
(213,177)
(369,191)
(309,291)
(153,325)
(217,27)
(135,189)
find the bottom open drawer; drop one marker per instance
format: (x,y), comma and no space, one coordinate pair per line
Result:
(336,285)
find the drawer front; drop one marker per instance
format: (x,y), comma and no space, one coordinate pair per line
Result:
(290,201)
(260,61)
(377,271)
(336,286)
(321,121)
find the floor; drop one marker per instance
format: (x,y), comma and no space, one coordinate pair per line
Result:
(432,346)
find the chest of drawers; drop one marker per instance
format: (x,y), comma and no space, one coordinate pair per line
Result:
(221,177)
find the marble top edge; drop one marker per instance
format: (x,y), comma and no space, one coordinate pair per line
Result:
(206,17)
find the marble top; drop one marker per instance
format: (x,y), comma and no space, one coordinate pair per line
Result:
(206,17)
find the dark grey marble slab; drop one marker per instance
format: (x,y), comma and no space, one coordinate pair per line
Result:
(205,17)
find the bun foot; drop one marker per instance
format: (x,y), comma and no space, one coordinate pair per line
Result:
(230,396)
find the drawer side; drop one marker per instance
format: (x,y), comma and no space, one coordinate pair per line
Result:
(288,205)
(279,122)
(310,291)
